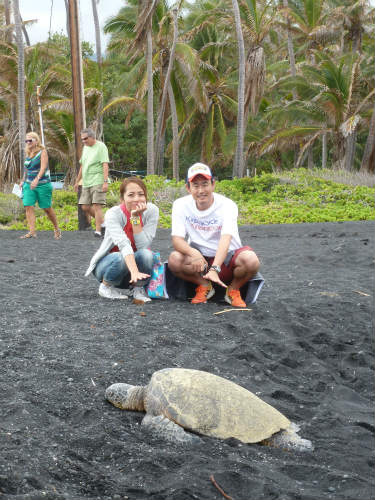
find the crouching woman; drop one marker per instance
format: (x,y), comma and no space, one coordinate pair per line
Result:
(124,259)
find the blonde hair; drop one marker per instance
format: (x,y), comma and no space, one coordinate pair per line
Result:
(39,145)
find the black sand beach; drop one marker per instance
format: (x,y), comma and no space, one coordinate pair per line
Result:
(305,347)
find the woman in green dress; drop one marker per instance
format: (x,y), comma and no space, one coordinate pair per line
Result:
(36,185)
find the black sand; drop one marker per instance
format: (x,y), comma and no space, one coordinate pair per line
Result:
(306,348)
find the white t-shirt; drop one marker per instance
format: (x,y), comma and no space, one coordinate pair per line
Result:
(205,227)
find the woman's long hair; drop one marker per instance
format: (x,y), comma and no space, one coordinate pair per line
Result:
(39,146)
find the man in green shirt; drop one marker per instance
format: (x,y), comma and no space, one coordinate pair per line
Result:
(94,176)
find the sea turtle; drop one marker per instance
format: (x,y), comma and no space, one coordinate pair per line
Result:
(177,398)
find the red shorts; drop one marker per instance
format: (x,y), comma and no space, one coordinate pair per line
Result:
(226,273)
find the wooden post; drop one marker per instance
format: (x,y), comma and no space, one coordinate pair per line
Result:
(78,93)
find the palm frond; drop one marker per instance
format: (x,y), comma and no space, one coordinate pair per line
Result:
(285,138)
(122,102)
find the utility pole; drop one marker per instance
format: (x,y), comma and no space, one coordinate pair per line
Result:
(78,94)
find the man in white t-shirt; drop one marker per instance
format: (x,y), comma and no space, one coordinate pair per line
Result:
(212,252)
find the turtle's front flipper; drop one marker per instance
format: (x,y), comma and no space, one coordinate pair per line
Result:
(166,429)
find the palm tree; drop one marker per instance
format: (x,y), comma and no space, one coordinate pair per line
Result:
(312,25)
(313,28)
(368,159)
(238,164)
(143,32)
(329,104)
(292,60)
(135,23)
(98,59)
(8,35)
(166,86)
(355,16)
(21,85)
(61,141)
(55,86)
(213,24)
(184,70)
(175,143)
(206,125)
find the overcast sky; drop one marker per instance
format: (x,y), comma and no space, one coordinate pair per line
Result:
(41,10)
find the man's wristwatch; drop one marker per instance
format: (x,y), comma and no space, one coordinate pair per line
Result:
(105,181)
(215,268)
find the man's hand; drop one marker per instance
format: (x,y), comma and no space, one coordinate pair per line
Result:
(76,187)
(214,277)
(137,276)
(198,263)
(105,187)
(34,184)
(140,208)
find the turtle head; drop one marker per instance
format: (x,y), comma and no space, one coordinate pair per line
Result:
(125,396)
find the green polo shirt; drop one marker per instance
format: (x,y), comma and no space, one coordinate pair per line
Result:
(92,160)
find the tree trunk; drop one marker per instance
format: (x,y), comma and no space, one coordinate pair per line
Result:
(350,145)
(367,164)
(159,125)
(9,39)
(238,164)
(161,152)
(357,41)
(150,106)
(292,64)
(25,34)
(67,16)
(324,151)
(310,158)
(292,60)
(175,143)
(338,151)
(8,36)
(21,86)
(98,46)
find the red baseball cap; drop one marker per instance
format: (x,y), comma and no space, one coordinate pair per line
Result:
(198,169)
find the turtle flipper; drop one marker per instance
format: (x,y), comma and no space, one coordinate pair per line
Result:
(168,430)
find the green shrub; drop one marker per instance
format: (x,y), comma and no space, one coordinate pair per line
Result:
(291,197)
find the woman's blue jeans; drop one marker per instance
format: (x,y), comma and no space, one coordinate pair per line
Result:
(113,269)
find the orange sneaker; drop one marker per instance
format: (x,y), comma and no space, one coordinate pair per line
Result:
(233,297)
(203,293)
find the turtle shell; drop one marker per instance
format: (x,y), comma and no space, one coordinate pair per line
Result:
(207,404)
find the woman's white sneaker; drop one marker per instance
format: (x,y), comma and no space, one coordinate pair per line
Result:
(139,293)
(109,292)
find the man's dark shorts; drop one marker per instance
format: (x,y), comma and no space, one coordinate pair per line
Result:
(226,274)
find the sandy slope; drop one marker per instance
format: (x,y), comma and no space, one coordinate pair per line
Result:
(305,348)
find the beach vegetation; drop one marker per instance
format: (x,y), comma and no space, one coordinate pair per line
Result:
(286,198)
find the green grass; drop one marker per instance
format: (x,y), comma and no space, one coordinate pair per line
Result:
(287,198)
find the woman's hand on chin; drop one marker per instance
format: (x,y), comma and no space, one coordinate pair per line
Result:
(139,209)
